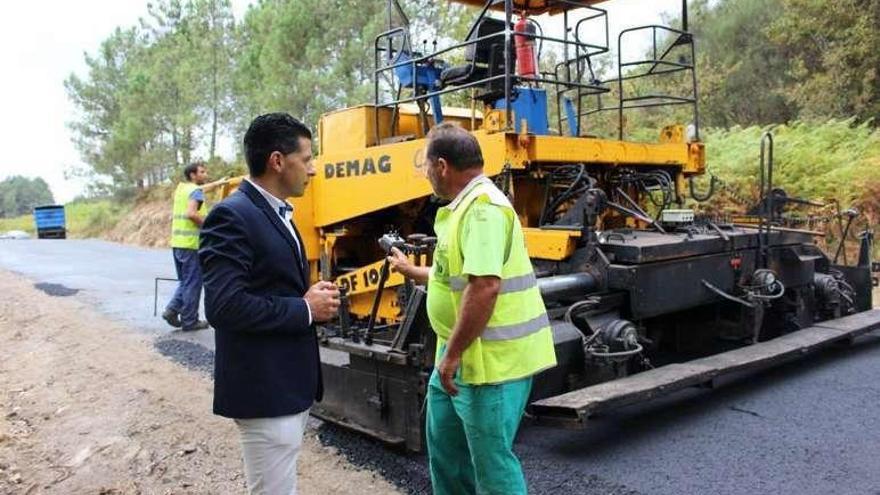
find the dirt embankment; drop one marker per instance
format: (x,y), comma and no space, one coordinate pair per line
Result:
(148,222)
(87,407)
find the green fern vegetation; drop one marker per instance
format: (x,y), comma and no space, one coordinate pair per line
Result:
(821,162)
(816,161)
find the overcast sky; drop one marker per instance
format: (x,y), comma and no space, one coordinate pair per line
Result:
(41,43)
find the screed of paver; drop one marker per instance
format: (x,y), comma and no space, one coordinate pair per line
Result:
(87,407)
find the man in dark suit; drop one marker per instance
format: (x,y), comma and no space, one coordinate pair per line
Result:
(267,370)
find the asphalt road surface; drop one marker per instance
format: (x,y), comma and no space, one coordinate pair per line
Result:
(809,427)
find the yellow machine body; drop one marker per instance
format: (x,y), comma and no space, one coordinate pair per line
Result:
(360,172)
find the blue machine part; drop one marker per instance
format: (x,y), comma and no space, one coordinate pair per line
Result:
(426,77)
(530,104)
(573,124)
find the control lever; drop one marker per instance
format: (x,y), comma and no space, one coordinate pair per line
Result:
(344,315)
(386,242)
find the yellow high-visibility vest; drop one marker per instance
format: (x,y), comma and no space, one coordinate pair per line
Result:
(517,341)
(184,232)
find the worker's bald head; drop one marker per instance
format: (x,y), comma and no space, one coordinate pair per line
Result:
(458,147)
(452,159)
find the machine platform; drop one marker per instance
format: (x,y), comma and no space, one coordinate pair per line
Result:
(573,409)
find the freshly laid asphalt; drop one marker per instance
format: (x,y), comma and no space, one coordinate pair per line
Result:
(808,427)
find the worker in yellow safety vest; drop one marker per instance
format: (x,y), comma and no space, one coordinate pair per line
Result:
(493,333)
(188,213)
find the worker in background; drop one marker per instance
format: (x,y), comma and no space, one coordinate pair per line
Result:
(493,333)
(188,213)
(267,370)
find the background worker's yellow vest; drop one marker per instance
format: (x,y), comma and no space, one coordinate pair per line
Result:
(517,341)
(184,232)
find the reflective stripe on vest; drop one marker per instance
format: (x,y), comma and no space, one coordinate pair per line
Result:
(517,330)
(512,284)
(184,232)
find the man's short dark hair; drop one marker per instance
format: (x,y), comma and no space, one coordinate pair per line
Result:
(455,145)
(269,133)
(191,169)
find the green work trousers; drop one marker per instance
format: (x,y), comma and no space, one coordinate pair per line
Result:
(470,437)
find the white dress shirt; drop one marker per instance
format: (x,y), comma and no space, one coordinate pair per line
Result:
(276,204)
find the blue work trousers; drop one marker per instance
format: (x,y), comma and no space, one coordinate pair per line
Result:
(470,437)
(189,289)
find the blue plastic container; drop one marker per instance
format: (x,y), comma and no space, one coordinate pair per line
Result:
(530,104)
(50,222)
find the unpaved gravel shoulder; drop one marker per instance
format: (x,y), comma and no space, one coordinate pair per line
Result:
(86,406)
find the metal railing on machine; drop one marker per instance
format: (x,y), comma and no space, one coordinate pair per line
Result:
(682,38)
(569,112)
(421,72)
(658,62)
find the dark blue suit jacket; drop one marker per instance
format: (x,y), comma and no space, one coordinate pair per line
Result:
(266,361)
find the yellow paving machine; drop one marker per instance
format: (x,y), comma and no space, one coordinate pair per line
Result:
(645,296)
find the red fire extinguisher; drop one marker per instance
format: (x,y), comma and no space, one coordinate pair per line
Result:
(526,61)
